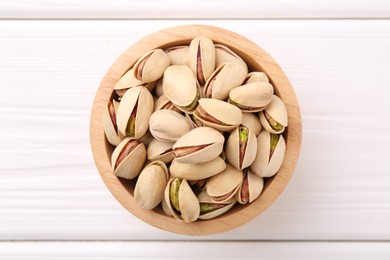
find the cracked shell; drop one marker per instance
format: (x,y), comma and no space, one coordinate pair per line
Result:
(134,112)
(168,126)
(274,117)
(210,209)
(252,97)
(159,150)
(226,77)
(270,154)
(151,66)
(224,185)
(181,200)
(250,188)
(241,147)
(150,186)
(181,88)
(128,80)
(202,58)
(200,145)
(218,114)
(197,171)
(178,55)
(128,158)
(224,54)
(114,137)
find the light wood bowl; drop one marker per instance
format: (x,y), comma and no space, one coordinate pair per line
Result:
(257,59)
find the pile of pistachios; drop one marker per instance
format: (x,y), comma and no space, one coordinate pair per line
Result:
(195,130)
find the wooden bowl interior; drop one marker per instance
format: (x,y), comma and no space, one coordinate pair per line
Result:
(257,59)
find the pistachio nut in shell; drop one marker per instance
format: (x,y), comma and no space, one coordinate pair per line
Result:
(252,97)
(210,209)
(181,87)
(226,77)
(197,171)
(151,66)
(252,121)
(274,117)
(250,188)
(114,137)
(168,125)
(128,80)
(159,150)
(241,147)
(163,102)
(134,111)
(218,114)
(270,154)
(181,200)
(202,58)
(200,145)
(178,54)
(224,185)
(224,54)
(256,76)
(128,158)
(150,186)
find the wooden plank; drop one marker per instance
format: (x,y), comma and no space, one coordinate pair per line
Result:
(193,250)
(193,9)
(50,71)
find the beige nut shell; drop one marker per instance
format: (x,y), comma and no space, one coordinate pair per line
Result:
(197,171)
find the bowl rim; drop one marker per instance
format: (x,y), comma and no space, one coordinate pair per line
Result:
(251,53)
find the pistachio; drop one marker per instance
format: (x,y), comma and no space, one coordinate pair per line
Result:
(226,77)
(197,171)
(223,54)
(252,97)
(181,88)
(211,209)
(218,114)
(151,66)
(178,54)
(114,137)
(181,200)
(168,125)
(252,122)
(128,80)
(256,76)
(150,186)
(270,154)
(132,121)
(202,58)
(159,150)
(241,147)
(274,117)
(250,188)
(128,158)
(200,145)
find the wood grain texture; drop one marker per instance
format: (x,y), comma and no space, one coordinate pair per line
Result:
(193,9)
(193,250)
(256,58)
(50,188)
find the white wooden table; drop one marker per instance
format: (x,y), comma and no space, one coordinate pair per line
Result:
(53,203)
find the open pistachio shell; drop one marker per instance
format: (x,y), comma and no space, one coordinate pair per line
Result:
(150,186)
(114,137)
(200,145)
(178,55)
(274,117)
(128,80)
(252,97)
(168,125)
(224,185)
(197,171)
(164,103)
(202,58)
(270,154)
(218,114)
(250,188)
(210,209)
(165,207)
(181,88)
(150,67)
(159,150)
(223,54)
(251,121)
(241,147)
(256,76)
(226,77)
(181,200)
(134,112)
(128,158)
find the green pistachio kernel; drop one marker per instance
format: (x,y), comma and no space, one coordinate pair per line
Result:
(174,193)
(131,126)
(244,133)
(209,207)
(273,142)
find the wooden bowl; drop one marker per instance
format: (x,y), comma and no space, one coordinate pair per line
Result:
(257,59)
